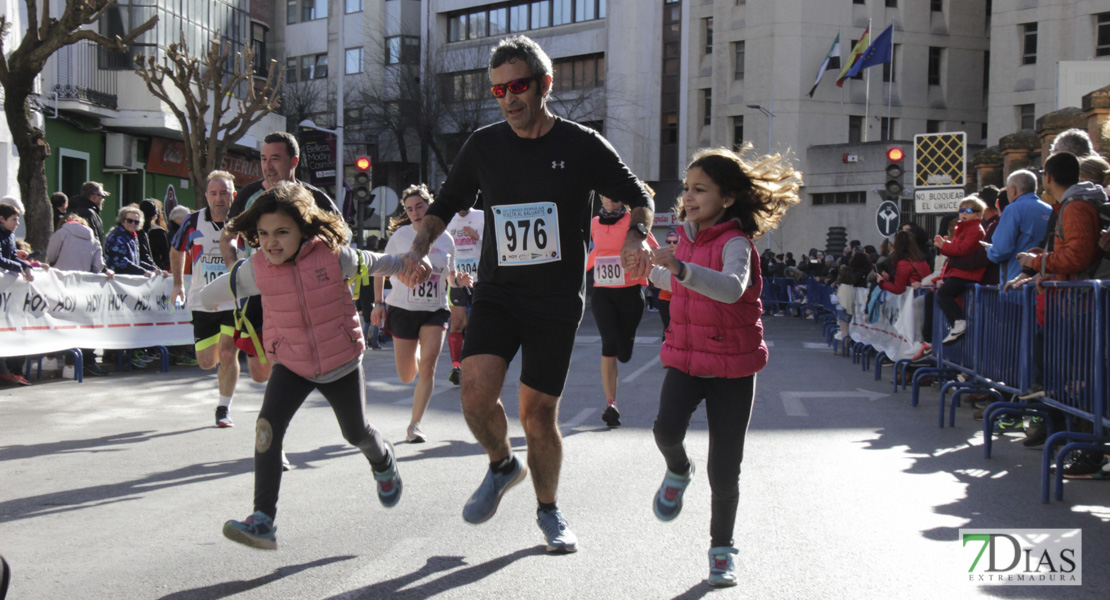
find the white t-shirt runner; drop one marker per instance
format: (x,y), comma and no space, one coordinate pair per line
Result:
(467,249)
(432,294)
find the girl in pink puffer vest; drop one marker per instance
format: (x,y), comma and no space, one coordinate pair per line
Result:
(301,269)
(714,345)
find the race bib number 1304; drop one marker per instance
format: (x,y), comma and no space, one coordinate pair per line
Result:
(527,234)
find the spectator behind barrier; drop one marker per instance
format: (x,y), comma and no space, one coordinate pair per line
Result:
(73,247)
(60,202)
(122,244)
(909,265)
(154,230)
(1022,225)
(965,265)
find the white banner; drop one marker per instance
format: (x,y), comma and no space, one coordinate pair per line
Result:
(897,329)
(66,309)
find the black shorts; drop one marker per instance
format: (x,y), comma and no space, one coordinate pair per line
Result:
(459,296)
(405,324)
(209,326)
(545,345)
(617,312)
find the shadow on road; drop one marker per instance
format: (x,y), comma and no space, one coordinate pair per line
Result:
(230,588)
(698,591)
(392,588)
(100,444)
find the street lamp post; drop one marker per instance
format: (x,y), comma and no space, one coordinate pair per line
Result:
(770,135)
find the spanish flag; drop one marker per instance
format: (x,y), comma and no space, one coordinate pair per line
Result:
(857,51)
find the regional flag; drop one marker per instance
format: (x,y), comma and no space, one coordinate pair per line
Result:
(876,54)
(832,61)
(854,55)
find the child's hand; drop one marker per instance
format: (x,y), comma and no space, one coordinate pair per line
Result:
(664,257)
(938,241)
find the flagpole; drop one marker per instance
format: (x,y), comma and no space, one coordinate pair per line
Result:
(890,87)
(838,30)
(867,98)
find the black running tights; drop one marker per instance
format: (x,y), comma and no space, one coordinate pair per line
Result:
(728,409)
(285,393)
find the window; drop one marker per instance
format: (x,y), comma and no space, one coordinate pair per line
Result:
(579,72)
(888,67)
(1026,116)
(888,129)
(932,126)
(498,21)
(541,14)
(855,129)
(402,49)
(353,6)
(709,35)
(563,12)
(738,53)
(456,28)
(737,131)
(319,67)
(1029,44)
(291,70)
(670,128)
(707,105)
(258,44)
(936,5)
(935,55)
(477,25)
(1102,35)
(291,12)
(859,1)
(892,3)
(314,9)
(353,62)
(518,18)
(586,10)
(840,198)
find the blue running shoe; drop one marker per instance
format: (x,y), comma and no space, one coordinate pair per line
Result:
(389,481)
(560,539)
(668,500)
(483,503)
(257,531)
(722,566)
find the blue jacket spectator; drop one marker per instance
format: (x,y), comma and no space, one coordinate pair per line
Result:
(121,247)
(9,258)
(1022,226)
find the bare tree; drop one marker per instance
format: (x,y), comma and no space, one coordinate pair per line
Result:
(300,100)
(389,105)
(18,72)
(216,82)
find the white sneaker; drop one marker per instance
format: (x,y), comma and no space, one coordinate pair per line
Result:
(840,335)
(959,328)
(415,435)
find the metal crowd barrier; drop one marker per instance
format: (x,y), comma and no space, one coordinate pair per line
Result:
(779,294)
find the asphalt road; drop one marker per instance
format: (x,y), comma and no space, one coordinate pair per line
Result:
(117,489)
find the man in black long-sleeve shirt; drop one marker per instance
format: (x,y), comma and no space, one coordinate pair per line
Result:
(537,174)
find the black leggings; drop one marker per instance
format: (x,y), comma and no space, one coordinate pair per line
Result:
(617,312)
(947,294)
(728,409)
(285,393)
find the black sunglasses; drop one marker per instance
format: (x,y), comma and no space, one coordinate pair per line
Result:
(516,86)
(672,242)
(132,221)
(969,210)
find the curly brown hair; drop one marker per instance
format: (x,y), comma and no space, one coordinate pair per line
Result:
(418,189)
(296,201)
(763,189)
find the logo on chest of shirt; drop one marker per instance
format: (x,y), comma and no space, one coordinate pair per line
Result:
(322,274)
(558,164)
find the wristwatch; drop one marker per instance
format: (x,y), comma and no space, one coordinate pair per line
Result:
(640,227)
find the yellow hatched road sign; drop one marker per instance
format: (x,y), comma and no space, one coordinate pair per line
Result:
(940,159)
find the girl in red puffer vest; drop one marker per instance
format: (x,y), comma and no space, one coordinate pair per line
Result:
(301,269)
(714,345)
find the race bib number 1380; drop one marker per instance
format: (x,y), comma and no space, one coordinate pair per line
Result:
(527,234)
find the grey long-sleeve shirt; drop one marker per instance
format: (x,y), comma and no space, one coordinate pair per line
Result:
(726,285)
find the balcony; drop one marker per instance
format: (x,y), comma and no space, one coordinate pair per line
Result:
(85,73)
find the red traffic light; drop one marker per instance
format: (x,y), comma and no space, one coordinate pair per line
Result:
(362,163)
(895,154)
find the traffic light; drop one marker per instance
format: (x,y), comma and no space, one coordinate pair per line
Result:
(361,189)
(894,171)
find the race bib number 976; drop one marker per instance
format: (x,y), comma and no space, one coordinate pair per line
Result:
(527,234)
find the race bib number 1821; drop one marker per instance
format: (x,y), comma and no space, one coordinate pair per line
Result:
(527,234)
